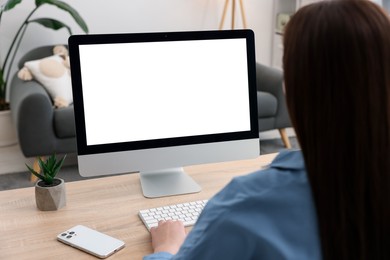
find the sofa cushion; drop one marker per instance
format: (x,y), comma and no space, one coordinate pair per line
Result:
(266,104)
(64,125)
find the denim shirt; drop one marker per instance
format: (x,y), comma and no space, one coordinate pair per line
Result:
(268,214)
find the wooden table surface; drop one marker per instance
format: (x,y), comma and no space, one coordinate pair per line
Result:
(109,205)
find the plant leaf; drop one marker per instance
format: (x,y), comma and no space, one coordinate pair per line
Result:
(51,161)
(58,166)
(1,82)
(43,178)
(51,23)
(43,166)
(66,7)
(11,4)
(40,2)
(49,180)
(35,173)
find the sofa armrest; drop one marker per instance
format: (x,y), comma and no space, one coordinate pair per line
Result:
(32,113)
(270,80)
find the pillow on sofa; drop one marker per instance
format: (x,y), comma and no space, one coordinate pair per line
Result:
(53,73)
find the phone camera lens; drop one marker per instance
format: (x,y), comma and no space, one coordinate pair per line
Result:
(69,237)
(71,232)
(63,234)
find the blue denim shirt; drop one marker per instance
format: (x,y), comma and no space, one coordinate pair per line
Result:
(268,214)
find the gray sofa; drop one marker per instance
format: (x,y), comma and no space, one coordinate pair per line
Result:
(42,129)
(271,102)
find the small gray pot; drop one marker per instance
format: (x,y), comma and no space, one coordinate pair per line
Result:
(50,198)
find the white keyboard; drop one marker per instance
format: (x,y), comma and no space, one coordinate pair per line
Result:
(187,212)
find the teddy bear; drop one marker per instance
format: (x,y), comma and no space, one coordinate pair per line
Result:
(53,73)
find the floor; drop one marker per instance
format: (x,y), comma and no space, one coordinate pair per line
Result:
(12,160)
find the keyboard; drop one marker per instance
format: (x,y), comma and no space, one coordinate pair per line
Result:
(187,212)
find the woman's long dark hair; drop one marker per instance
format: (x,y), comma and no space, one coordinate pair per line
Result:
(337,80)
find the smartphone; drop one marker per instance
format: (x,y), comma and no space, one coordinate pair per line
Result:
(91,241)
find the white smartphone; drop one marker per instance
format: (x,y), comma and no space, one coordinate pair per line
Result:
(91,241)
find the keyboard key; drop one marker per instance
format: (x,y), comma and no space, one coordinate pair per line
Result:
(187,212)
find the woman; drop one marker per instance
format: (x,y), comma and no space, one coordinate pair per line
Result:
(332,201)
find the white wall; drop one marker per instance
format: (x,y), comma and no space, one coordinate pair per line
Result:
(113,16)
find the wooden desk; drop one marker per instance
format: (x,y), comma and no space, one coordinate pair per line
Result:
(109,204)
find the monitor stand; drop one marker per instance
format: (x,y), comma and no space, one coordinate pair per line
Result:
(167,182)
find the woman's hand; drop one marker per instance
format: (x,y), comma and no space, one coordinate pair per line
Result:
(168,236)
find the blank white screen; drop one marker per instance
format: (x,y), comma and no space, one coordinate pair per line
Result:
(157,90)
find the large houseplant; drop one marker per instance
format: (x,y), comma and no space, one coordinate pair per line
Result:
(6,63)
(49,191)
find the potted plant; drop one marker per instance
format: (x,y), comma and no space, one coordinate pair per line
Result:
(7,62)
(49,191)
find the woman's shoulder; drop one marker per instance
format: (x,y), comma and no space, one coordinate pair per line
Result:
(282,184)
(286,170)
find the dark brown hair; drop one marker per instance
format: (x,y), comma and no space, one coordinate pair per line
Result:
(337,78)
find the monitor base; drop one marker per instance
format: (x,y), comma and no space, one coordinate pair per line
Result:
(167,182)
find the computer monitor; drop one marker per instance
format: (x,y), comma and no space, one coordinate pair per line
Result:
(155,102)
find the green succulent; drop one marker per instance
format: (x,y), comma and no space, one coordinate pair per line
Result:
(49,169)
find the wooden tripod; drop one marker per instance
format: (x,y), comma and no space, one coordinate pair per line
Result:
(233,13)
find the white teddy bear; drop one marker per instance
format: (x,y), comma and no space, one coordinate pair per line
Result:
(53,73)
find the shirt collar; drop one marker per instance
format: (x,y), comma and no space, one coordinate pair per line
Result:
(289,159)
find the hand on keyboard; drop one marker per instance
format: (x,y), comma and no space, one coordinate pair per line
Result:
(187,212)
